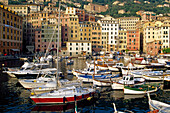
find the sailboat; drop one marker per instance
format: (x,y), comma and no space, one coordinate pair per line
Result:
(63,95)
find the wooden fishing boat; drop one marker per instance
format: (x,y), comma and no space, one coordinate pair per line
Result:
(116,67)
(139,89)
(126,80)
(104,82)
(131,67)
(158,106)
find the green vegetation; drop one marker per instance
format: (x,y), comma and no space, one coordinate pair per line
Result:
(166,50)
(129,6)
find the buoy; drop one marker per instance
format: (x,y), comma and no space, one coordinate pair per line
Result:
(89,98)
(32,93)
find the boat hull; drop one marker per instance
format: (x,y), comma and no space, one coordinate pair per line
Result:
(135,92)
(30,85)
(101,83)
(60,100)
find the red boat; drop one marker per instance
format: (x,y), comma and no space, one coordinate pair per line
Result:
(64,95)
(140,58)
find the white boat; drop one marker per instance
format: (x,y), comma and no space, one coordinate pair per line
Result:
(129,68)
(127,58)
(154,76)
(32,83)
(100,82)
(49,86)
(157,105)
(142,64)
(27,67)
(126,80)
(116,67)
(163,58)
(139,89)
(33,73)
(90,70)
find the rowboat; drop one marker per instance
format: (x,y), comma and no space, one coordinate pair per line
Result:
(161,107)
(139,89)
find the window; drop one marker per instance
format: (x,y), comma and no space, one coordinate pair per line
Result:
(70,44)
(70,48)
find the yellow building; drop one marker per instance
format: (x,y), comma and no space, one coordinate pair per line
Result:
(22,10)
(74,25)
(122,43)
(128,23)
(10,31)
(96,38)
(85,31)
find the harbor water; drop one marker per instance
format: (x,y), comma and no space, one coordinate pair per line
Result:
(15,99)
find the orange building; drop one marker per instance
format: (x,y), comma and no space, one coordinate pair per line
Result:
(10,32)
(133,40)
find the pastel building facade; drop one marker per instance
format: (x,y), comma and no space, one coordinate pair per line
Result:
(77,48)
(11,32)
(133,40)
(110,28)
(128,23)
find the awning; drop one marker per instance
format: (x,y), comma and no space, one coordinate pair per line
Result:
(15,50)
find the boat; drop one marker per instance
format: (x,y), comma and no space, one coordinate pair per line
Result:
(33,73)
(154,76)
(70,62)
(126,80)
(139,89)
(90,70)
(50,86)
(116,67)
(130,67)
(163,58)
(26,66)
(104,82)
(32,83)
(63,95)
(158,106)
(139,58)
(167,62)
(142,64)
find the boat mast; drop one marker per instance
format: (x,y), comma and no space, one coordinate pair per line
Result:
(58,43)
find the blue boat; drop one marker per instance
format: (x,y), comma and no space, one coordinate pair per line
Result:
(168,62)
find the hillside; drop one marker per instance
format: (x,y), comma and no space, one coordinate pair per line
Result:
(130,7)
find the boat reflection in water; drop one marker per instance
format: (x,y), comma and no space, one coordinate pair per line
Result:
(53,108)
(69,107)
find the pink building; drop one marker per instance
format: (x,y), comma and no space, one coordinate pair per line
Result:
(154,47)
(133,40)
